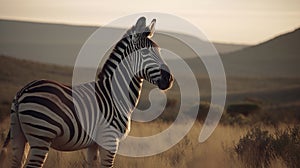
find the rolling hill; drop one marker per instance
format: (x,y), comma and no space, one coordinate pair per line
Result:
(278,57)
(16,73)
(266,75)
(268,72)
(56,43)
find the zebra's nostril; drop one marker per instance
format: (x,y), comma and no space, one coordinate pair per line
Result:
(165,74)
(166,78)
(170,79)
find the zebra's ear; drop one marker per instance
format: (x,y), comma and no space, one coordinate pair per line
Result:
(140,25)
(151,28)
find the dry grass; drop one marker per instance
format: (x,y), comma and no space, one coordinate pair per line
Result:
(217,151)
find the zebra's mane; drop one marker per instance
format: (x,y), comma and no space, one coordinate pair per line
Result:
(108,63)
(127,38)
(135,38)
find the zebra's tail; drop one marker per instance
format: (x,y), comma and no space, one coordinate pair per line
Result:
(3,152)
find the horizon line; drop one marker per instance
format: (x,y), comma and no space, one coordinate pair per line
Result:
(77,24)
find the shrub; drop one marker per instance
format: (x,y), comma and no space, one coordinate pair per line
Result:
(287,146)
(239,119)
(255,148)
(242,108)
(202,111)
(171,110)
(259,147)
(242,114)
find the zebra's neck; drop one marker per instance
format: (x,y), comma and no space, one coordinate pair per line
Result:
(118,77)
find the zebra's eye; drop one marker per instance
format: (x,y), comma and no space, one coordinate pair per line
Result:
(145,51)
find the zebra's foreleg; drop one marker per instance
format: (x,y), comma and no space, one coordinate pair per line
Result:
(93,156)
(107,157)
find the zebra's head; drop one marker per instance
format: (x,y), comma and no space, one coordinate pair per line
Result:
(149,65)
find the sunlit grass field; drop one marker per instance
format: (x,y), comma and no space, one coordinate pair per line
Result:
(217,151)
(277,99)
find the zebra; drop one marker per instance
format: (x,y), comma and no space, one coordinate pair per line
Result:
(94,115)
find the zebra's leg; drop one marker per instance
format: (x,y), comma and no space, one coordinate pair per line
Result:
(37,156)
(39,141)
(18,142)
(107,139)
(93,156)
(107,156)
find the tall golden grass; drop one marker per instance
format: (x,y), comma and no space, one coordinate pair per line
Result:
(217,151)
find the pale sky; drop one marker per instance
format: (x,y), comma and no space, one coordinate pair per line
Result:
(231,21)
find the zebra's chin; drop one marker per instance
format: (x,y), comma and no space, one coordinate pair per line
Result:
(164,85)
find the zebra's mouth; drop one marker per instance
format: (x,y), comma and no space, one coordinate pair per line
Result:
(166,80)
(164,85)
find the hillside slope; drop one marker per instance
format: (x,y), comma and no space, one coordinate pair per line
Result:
(15,73)
(57,43)
(278,57)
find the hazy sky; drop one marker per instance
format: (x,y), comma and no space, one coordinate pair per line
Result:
(233,21)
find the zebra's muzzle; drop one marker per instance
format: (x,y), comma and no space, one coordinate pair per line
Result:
(166,80)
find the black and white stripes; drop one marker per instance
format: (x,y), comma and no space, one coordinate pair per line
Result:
(94,115)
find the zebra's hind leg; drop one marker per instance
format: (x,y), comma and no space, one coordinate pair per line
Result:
(39,141)
(93,156)
(18,143)
(37,156)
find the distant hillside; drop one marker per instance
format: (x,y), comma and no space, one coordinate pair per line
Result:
(279,57)
(224,48)
(56,43)
(48,43)
(16,73)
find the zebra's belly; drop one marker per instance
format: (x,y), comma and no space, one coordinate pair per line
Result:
(66,149)
(60,145)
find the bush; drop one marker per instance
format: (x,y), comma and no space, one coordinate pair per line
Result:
(202,111)
(241,114)
(171,110)
(204,107)
(242,108)
(255,148)
(259,147)
(287,146)
(239,120)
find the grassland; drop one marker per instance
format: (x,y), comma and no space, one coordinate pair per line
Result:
(217,151)
(278,99)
